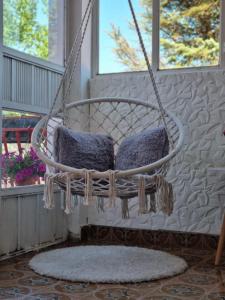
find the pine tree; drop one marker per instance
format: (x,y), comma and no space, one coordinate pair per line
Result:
(189,34)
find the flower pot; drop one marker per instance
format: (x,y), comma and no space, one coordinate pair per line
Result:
(29,181)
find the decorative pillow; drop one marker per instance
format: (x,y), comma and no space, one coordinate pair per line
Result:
(83,150)
(142,149)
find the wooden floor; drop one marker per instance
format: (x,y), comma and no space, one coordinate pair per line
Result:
(201,281)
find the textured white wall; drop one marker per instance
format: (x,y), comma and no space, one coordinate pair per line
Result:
(198,99)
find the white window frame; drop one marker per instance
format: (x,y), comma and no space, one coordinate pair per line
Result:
(156,44)
(11,52)
(36,61)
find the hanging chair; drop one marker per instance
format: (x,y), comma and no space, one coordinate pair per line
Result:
(117,117)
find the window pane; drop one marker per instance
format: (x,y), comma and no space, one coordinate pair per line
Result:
(19,162)
(189,33)
(34,27)
(119,49)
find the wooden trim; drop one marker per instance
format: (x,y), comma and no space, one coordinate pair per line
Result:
(95,40)
(1,23)
(155,34)
(1,74)
(32,249)
(220,247)
(32,60)
(222,34)
(25,190)
(24,107)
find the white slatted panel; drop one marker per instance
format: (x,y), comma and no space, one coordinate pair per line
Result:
(54,80)
(40,87)
(26,84)
(25,224)
(7,79)
(8,225)
(21,82)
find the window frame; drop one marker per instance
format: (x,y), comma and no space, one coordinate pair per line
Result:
(32,60)
(8,51)
(156,45)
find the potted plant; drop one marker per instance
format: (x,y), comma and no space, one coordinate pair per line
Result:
(22,169)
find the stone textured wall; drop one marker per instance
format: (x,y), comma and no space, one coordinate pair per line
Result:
(198,99)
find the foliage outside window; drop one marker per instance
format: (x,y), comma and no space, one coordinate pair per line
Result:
(19,162)
(119,49)
(189,34)
(34,27)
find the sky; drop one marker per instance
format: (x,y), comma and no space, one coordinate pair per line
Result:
(115,12)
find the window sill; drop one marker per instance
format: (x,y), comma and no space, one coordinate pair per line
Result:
(179,71)
(24,190)
(12,53)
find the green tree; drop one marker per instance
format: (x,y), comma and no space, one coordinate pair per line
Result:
(189,34)
(22,29)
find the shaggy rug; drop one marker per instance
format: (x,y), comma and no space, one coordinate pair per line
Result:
(107,264)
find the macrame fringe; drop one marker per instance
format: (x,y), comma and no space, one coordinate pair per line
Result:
(161,200)
(48,191)
(88,188)
(164,195)
(141,195)
(68,200)
(112,189)
(125,208)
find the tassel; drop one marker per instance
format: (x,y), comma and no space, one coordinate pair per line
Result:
(112,188)
(88,188)
(125,208)
(48,191)
(68,195)
(141,195)
(164,195)
(152,203)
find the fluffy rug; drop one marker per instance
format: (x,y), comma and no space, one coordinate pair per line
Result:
(107,264)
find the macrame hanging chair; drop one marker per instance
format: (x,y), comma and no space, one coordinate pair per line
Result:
(118,117)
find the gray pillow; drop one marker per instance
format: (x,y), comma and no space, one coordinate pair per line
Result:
(83,150)
(142,149)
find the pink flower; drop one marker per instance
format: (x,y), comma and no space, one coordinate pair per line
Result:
(42,168)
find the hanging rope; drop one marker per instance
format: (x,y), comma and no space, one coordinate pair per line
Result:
(150,71)
(87,14)
(92,2)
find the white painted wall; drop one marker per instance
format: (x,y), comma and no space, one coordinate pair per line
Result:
(198,99)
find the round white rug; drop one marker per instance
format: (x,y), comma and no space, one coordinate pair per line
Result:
(107,264)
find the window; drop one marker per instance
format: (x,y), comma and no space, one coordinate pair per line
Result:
(35,27)
(119,49)
(188,35)
(19,162)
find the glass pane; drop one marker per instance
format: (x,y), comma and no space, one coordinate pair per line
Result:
(119,49)
(19,162)
(189,33)
(34,27)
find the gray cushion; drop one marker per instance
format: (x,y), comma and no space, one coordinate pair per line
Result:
(142,149)
(83,150)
